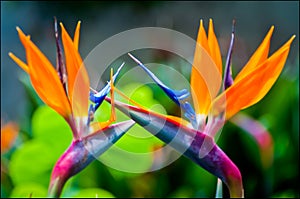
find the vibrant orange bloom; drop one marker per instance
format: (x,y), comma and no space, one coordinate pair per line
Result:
(207,69)
(67,91)
(250,86)
(70,103)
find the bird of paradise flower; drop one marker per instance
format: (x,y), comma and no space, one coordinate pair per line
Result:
(215,102)
(67,90)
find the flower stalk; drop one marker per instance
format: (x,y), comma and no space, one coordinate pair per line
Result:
(67,91)
(82,152)
(193,144)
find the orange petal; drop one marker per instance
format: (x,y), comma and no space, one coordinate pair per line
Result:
(112,95)
(205,76)
(254,86)
(202,38)
(76,35)
(259,56)
(80,100)
(214,48)
(78,80)
(73,60)
(44,78)
(9,133)
(139,107)
(96,126)
(19,62)
(23,40)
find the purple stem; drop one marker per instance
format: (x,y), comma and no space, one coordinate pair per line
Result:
(82,152)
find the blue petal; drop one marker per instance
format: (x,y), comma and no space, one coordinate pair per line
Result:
(99,97)
(190,114)
(175,95)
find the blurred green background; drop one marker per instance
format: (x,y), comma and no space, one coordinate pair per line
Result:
(43,136)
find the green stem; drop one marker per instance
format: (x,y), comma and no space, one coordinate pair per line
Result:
(55,188)
(219,190)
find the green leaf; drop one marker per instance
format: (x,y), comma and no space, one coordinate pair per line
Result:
(93,193)
(183,192)
(29,190)
(32,162)
(51,128)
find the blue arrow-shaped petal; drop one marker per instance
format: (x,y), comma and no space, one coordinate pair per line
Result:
(98,98)
(175,95)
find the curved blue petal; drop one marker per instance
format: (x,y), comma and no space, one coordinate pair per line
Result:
(98,98)
(175,95)
(178,96)
(190,114)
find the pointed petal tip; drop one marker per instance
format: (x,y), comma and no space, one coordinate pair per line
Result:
(292,38)
(118,129)
(19,62)
(271,30)
(134,58)
(120,67)
(20,32)
(61,25)
(78,25)
(124,125)
(201,23)
(289,42)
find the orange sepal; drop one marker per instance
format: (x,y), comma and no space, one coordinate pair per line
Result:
(44,78)
(76,35)
(205,76)
(259,56)
(254,86)
(73,61)
(214,47)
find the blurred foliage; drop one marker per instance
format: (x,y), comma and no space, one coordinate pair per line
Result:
(44,135)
